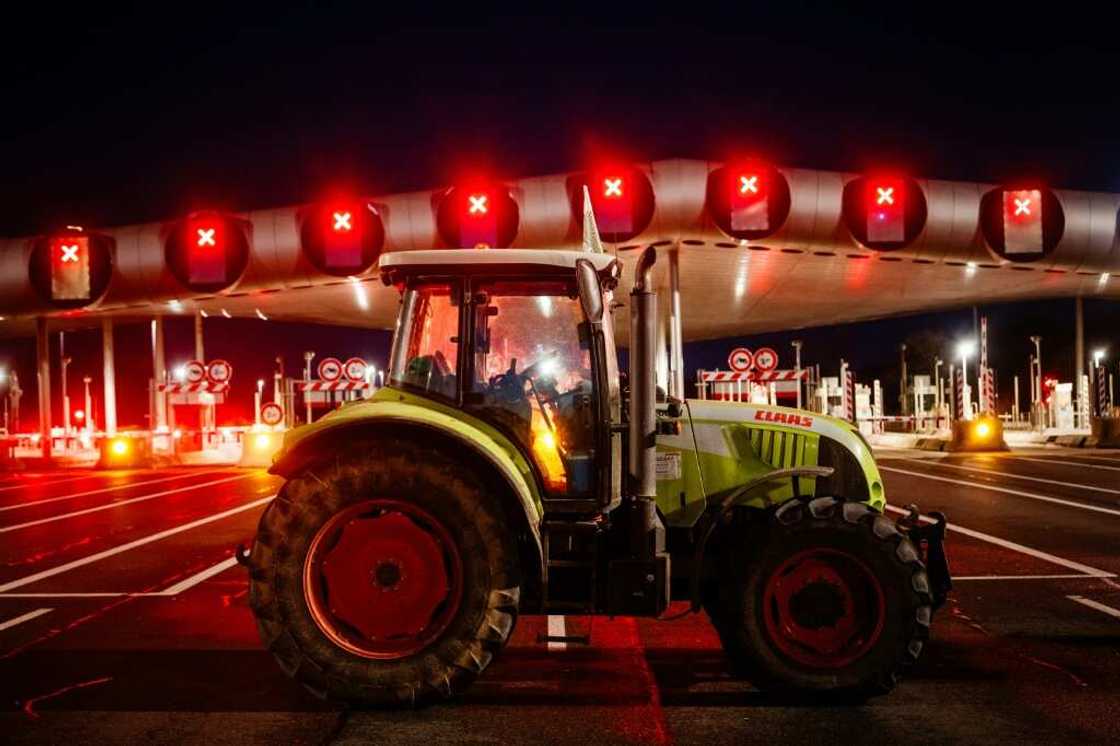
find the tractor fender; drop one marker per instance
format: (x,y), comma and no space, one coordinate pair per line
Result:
(488,453)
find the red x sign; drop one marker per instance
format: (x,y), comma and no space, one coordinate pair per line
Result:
(886,195)
(342,221)
(206,237)
(1022,206)
(748,184)
(612,187)
(478,204)
(69,252)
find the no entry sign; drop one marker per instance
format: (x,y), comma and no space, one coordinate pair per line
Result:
(272,413)
(766,359)
(195,371)
(330,369)
(740,359)
(219,371)
(355,369)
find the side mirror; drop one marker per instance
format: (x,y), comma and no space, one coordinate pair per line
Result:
(590,294)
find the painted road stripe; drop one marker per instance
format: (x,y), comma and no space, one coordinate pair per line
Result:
(1006,490)
(27,482)
(114,488)
(1062,462)
(1095,605)
(183,585)
(24,618)
(1018,476)
(1078,576)
(193,580)
(119,503)
(1036,553)
(557,628)
(36,577)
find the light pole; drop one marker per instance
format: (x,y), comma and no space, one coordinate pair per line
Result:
(86,380)
(937,363)
(307,358)
(257,402)
(65,395)
(1036,374)
(3,380)
(797,367)
(964,349)
(903,399)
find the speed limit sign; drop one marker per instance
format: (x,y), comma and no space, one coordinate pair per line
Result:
(195,371)
(272,413)
(766,359)
(355,369)
(219,371)
(330,369)
(740,360)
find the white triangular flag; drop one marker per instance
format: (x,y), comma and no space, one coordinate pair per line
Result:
(591,240)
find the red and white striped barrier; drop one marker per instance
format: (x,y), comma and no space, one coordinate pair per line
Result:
(725,376)
(193,388)
(338,385)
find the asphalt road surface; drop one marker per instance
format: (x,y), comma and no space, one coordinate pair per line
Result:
(123,618)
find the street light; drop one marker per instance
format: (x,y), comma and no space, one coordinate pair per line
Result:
(965,348)
(1098,355)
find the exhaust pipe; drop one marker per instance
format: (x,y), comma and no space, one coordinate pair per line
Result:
(643,415)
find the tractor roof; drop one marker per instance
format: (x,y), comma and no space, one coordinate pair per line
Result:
(490,262)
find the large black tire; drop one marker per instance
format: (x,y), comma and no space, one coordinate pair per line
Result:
(853,532)
(387,469)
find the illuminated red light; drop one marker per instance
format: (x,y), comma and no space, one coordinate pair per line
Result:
(748,184)
(342,222)
(612,187)
(69,253)
(1022,221)
(479,204)
(886,218)
(206,236)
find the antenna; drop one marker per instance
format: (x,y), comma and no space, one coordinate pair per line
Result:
(591,240)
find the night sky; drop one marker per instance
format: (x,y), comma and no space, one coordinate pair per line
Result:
(122,116)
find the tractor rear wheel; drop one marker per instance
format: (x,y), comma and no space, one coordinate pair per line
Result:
(828,599)
(385,576)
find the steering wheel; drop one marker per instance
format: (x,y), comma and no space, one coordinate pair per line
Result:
(509,385)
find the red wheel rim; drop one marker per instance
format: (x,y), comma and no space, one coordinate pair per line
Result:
(823,608)
(383,579)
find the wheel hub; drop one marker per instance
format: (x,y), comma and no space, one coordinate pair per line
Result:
(823,608)
(383,579)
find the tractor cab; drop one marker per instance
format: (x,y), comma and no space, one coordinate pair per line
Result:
(522,340)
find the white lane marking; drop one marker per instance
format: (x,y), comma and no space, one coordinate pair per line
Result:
(119,503)
(1036,553)
(982,470)
(557,628)
(35,482)
(1095,605)
(175,590)
(1063,462)
(199,577)
(36,577)
(24,618)
(1078,576)
(111,489)
(1006,490)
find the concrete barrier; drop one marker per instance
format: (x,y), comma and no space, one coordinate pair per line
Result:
(1105,432)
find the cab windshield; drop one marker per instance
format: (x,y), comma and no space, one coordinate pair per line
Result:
(532,375)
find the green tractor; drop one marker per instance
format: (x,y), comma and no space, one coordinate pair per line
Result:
(507,467)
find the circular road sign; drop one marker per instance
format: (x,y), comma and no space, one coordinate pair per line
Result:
(740,360)
(219,371)
(355,369)
(330,369)
(272,413)
(195,371)
(766,359)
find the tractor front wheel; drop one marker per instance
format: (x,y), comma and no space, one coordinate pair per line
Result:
(830,598)
(385,576)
